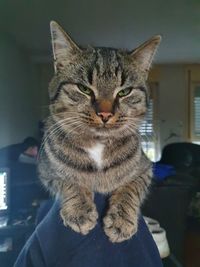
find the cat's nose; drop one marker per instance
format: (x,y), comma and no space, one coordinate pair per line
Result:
(105,116)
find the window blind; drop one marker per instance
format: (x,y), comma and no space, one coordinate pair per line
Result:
(147,133)
(146,128)
(196,104)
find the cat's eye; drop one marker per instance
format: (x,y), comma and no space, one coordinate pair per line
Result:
(125,92)
(85,89)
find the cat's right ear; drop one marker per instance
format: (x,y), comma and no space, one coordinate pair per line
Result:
(144,54)
(62,45)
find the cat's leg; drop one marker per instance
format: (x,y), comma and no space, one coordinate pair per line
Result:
(78,209)
(121,220)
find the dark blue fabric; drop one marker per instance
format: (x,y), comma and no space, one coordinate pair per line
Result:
(54,245)
(162,171)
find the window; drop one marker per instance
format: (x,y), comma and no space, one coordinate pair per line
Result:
(148,127)
(195,113)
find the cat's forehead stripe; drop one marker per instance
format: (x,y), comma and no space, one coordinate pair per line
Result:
(107,62)
(90,76)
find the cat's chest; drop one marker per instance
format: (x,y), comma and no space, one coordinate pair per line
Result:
(96,153)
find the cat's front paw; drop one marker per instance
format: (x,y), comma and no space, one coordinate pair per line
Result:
(81,219)
(118,226)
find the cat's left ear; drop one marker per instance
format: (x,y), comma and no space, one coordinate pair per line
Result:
(62,45)
(144,54)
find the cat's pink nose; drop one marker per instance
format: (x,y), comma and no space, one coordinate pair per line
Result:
(105,116)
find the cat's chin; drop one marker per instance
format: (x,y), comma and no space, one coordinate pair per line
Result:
(102,131)
(106,132)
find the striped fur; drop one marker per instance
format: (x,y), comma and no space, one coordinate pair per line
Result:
(82,154)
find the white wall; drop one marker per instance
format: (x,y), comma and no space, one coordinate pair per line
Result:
(44,73)
(18,94)
(173,111)
(172,104)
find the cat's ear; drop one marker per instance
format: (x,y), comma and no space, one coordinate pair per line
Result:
(62,45)
(144,54)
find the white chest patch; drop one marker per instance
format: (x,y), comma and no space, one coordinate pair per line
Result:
(96,153)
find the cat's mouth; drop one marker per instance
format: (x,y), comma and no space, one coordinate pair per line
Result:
(103,130)
(105,126)
(118,122)
(123,125)
(100,122)
(110,124)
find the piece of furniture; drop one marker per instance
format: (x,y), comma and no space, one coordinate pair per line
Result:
(192,243)
(168,203)
(185,157)
(169,200)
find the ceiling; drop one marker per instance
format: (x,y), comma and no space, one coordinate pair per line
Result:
(118,23)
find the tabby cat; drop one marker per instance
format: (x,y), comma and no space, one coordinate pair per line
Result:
(98,98)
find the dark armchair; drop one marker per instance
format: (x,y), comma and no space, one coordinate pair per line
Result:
(169,200)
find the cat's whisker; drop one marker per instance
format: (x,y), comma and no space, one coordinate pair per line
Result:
(46,138)
(65,113)
(133,129)
(55,127)
(73,129)
(61,124)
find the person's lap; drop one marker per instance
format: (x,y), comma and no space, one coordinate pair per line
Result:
(53,244)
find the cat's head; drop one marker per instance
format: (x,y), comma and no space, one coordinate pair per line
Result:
(99,91)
